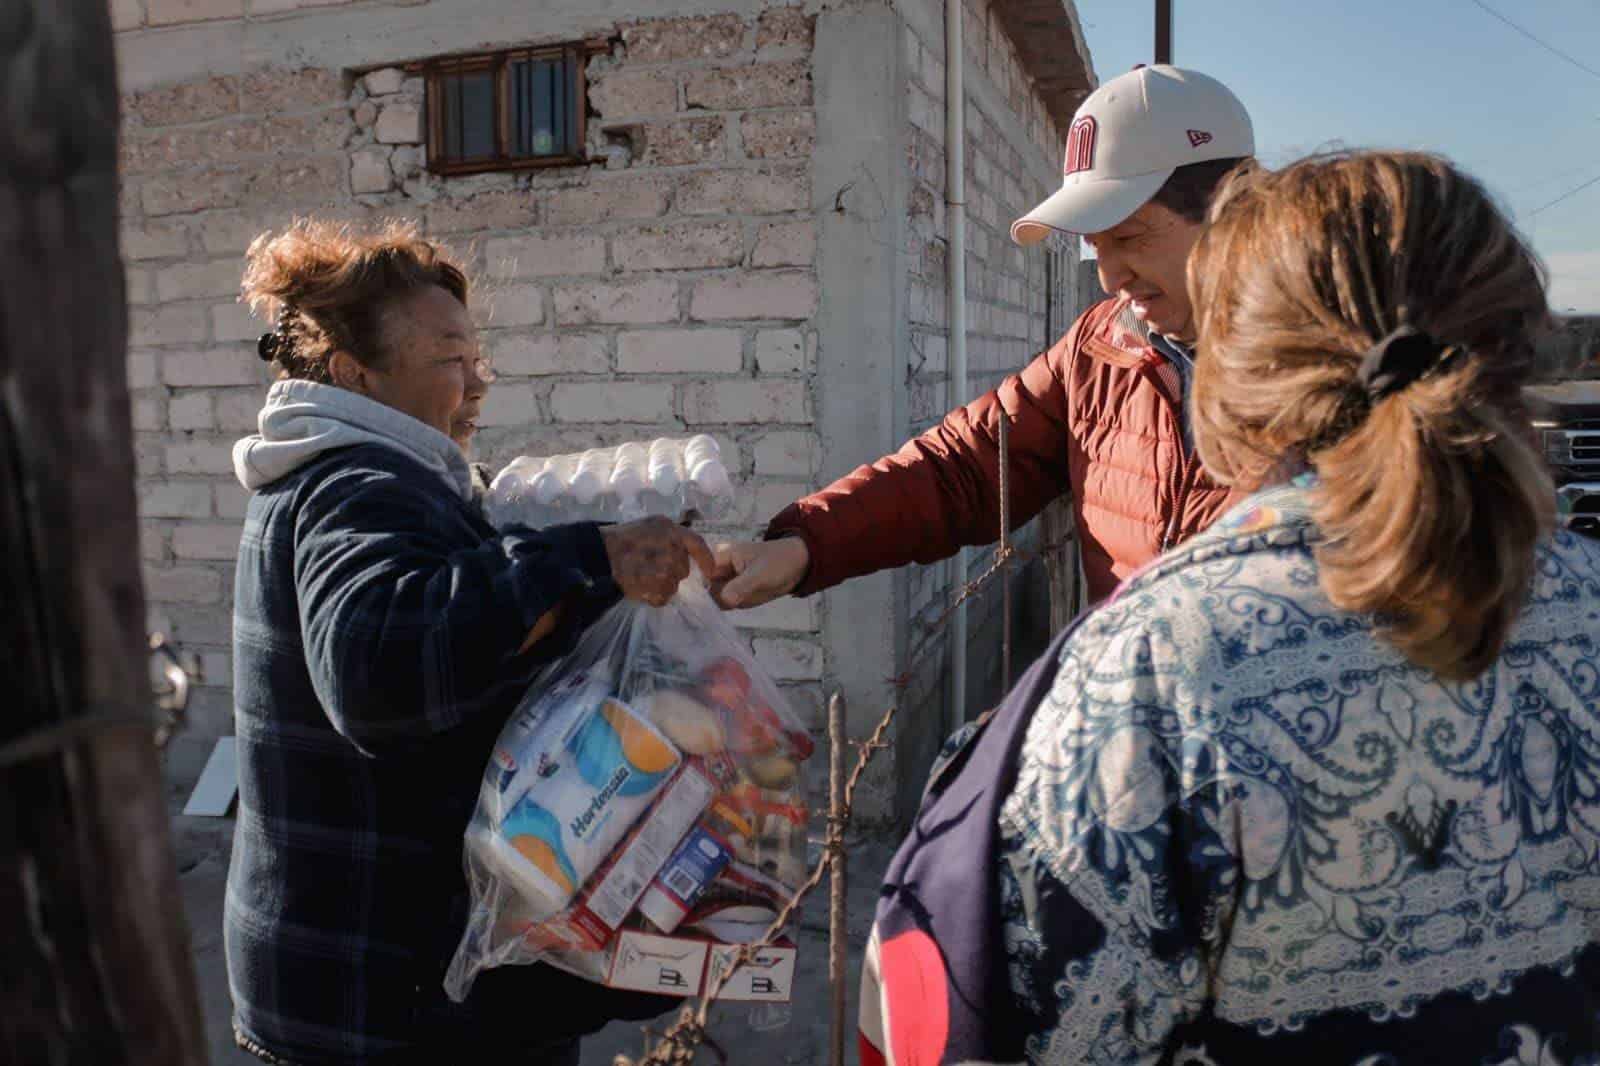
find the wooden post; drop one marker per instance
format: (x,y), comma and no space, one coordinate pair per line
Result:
(1005,551)
(1060,562)
(838,929)
(1163,31)
(95,968)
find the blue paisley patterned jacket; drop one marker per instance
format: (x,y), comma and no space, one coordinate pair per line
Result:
(1244,829)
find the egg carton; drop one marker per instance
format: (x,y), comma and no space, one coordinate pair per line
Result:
(680,479)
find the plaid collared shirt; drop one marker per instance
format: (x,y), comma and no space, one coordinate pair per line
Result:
(377,619)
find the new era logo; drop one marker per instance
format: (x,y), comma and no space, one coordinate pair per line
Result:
(1080,146)
(1198,137)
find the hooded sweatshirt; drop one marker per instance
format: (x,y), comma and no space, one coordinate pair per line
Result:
(302,420)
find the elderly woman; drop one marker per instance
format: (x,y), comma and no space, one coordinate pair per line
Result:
(383,633)
(1323,785)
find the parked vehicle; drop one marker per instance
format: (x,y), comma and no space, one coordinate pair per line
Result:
(1565,409)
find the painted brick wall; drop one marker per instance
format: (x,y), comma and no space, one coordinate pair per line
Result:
(666,289)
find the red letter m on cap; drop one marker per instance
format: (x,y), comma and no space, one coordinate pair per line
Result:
(1080,146)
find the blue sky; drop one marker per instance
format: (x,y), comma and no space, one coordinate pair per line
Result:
(1440,75)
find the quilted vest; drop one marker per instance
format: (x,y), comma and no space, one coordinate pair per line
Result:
(1138,490)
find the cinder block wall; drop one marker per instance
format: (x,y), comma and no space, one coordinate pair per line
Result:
(669,287)
(667,290)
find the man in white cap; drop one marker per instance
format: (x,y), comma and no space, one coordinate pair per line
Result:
(1100,415)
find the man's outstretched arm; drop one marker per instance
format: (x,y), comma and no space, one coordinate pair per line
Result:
(937,493)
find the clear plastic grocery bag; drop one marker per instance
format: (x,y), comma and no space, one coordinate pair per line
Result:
(648,784)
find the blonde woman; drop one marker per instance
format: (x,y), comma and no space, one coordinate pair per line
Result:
(1323,785)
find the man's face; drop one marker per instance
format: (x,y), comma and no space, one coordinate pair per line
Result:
(1142,260)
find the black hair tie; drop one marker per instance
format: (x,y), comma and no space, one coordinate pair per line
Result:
(1403,357)
(276,345)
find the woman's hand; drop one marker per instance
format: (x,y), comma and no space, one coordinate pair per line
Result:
(650,557)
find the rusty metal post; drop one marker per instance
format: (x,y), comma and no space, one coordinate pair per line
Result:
(1005,550)
(838,931)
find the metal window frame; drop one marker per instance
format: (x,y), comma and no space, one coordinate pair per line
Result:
(500,64)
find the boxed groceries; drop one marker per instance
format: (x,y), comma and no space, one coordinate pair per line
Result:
(688,966)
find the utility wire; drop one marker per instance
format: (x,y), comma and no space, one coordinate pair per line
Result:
(1566,195)
(1552,49)
(1550,179)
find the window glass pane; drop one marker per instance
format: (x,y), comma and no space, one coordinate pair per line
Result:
(468,115)
(542,122)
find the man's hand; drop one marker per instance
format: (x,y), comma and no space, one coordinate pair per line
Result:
(750,574)
(650,557)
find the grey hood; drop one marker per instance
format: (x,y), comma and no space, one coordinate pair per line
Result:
(302,420)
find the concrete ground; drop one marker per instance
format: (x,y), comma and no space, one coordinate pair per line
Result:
(748,1034)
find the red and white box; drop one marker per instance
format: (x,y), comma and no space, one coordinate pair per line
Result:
(687,966)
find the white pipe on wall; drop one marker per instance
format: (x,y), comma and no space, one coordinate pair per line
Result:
(955,197)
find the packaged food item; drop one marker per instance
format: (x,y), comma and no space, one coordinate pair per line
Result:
(586,781)
(684,879)
(653,771)
(689,966)
(616,887)
(692,725)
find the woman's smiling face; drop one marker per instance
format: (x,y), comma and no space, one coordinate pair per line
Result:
(432,366)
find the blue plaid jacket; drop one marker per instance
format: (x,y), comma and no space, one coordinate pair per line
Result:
(377,619)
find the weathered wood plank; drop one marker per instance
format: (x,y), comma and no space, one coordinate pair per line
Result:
(96,966)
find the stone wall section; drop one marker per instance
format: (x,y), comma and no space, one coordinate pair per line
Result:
(666,288)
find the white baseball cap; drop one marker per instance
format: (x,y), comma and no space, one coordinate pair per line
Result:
(1128,138)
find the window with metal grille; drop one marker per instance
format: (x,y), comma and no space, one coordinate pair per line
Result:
(510,110)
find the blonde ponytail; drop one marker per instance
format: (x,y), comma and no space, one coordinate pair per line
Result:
(1431,497)
(1430,512)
